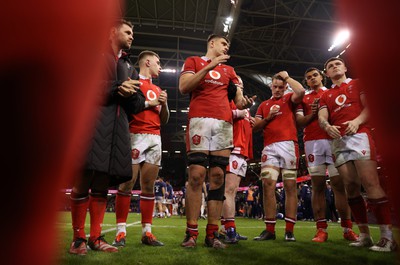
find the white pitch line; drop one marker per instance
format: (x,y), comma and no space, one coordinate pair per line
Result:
(114,229)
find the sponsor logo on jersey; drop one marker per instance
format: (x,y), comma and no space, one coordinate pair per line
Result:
(214,74)
(341,99)
(151,95)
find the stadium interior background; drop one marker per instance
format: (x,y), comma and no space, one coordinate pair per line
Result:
(266,37)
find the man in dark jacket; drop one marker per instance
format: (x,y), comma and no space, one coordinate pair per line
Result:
(109,155)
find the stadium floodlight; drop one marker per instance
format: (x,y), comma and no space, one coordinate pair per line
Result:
(168,70)
(227,24)
(340,38)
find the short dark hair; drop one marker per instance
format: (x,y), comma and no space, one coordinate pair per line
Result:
(217,36)
(278,77)
(332,59)
(119,22)
(146,53)
(314,69)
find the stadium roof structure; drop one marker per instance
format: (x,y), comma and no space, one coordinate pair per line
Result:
(267,36)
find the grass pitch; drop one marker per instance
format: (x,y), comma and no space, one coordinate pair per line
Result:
(171,232)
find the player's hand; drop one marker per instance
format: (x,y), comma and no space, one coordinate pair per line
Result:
(273,112)
(248,102)
(217,60)
(153,103)
(333,131)
(128,88)
(314,107)
(283,74)
(163,98)
(352,127)
(252,121)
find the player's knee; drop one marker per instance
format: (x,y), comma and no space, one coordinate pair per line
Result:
(98,193)
(319,170)
(332,171)
(219,161)
(289,174)
(217,194)
(198,158)
(269,173)
(195,182)
(79,196)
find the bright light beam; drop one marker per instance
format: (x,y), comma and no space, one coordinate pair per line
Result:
(168,70)
(341,38)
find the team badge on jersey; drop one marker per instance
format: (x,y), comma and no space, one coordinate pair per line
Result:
(264,158)
(234,164)
(275,107)
(196,139)
(310,158)
(135,153)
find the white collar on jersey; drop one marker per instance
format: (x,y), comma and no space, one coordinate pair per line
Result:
(205,58)
(309,91)
(345,81)
(144,77)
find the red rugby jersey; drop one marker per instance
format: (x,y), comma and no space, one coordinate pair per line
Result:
(148,120)
(210,98)
(283,126)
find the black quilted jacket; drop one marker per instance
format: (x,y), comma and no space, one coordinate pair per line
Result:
(110,148)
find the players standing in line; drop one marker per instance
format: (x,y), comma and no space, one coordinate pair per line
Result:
(317,145)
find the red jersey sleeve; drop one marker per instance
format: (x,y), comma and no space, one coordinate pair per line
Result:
(189,66)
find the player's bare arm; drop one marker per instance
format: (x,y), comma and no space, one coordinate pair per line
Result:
(332,130)
(242,101)
(304,120)
(164,114)
(261,123)
(353,125)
